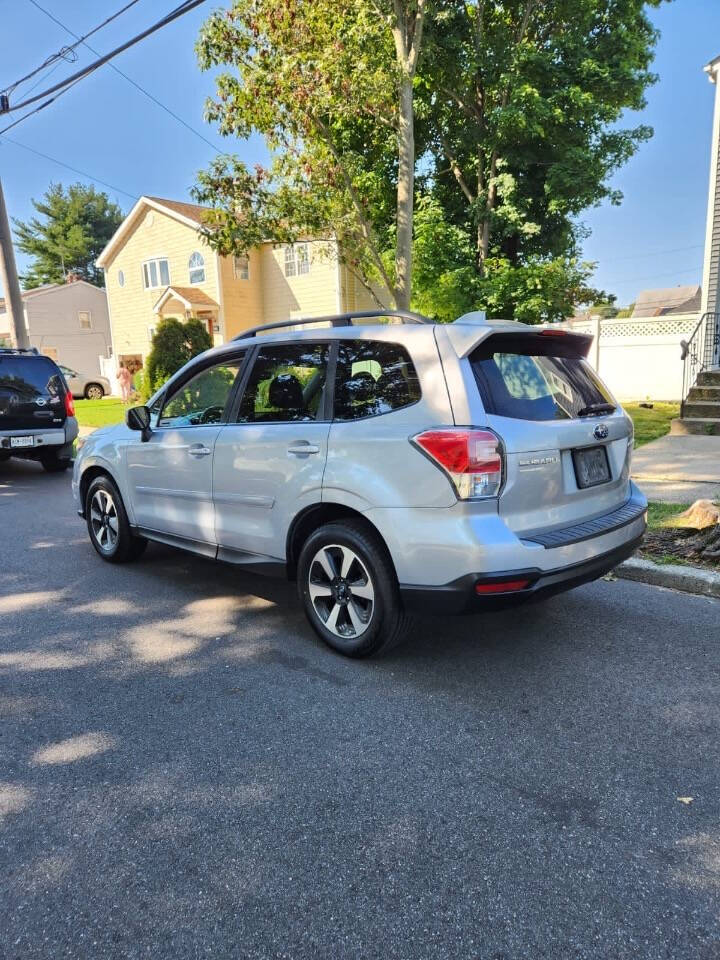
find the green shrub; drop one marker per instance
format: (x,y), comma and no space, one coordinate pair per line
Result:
(173,344)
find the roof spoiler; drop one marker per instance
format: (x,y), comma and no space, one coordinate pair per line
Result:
(469,331)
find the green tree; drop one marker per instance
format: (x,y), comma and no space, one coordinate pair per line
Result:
(521,104)
(330,84)
(173,344)
(516,108)
(77,223)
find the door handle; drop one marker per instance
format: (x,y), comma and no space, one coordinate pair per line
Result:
(303,448)
(199,450)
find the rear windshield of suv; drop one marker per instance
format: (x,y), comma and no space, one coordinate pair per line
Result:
(527,379)
(29,377)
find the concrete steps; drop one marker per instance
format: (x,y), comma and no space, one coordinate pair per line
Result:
(702,408)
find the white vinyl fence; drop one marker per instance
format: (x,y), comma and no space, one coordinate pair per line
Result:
(639,357)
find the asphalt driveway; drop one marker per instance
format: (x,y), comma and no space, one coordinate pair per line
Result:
(186,772)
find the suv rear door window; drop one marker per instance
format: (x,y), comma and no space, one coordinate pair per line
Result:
(373,377)
(525,378)
(287,384)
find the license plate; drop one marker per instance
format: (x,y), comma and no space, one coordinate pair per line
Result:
(21,441)
(591,466)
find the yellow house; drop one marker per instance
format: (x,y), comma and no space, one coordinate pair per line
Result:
(157,265)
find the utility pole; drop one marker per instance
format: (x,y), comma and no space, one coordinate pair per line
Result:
(9,278)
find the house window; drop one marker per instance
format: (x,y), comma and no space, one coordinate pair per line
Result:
(196,266)
(156,273)
(241,266)
(290,270)
(297,259)
(84,318)
(302,256)
(121,278)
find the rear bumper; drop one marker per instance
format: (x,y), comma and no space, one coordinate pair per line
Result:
(459,596)
(59,439)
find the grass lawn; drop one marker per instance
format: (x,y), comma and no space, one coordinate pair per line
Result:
(651,424)
(99,413)
(660,513)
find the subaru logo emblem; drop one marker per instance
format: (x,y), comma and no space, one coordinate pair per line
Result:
(601,431)
(40,401)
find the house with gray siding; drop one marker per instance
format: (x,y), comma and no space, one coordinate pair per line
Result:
(68,322)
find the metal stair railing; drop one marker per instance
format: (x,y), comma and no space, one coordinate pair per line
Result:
(699,353)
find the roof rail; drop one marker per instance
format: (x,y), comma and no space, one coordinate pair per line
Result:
(336,320)
(32,351)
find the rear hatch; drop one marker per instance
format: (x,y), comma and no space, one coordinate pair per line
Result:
(32,393)
(567,442)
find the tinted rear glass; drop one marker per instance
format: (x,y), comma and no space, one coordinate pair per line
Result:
(373,377)
(29,377)
(526,379)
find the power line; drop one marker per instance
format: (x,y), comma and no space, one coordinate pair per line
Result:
(82,173)
(656,276)
(63,53)
(129,79)
(653,253)
(38,109)
(179,11)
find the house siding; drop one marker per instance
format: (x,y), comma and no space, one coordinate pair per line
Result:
(54,325)
(242,299)
(131,306)
(311,294)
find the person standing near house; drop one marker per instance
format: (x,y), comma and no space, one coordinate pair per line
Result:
(125,380)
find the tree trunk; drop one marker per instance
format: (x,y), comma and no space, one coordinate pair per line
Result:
(405,194)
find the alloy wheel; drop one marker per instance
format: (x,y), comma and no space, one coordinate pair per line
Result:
(341,591)
(104,520)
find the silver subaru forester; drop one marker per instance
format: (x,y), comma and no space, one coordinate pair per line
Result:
(387,463)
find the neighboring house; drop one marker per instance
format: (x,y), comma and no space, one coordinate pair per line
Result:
(668,301)
(68,322)
(157,265)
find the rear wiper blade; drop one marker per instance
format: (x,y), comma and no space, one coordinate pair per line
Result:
(597,408)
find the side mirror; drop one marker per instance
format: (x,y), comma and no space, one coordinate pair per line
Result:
(138,418)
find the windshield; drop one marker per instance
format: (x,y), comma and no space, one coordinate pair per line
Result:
(527,379)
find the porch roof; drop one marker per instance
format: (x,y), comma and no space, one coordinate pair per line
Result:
(192,298)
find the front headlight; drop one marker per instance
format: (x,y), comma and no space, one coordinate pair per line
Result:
(79,443)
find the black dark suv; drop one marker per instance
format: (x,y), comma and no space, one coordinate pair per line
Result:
(37,413)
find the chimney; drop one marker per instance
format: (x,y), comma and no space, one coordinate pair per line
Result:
(72,278)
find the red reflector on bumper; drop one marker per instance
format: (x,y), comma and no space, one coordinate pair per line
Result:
(503,586)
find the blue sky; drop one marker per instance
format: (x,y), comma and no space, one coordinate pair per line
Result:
(108,129)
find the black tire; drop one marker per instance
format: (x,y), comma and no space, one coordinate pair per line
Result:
(124,546)
(382,619)
(94,391)
(55,464)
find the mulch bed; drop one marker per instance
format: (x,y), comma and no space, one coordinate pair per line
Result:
(701,548)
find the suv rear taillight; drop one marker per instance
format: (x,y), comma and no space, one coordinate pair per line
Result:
(69,404)
(471,458)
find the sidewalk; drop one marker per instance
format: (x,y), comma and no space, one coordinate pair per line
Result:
(678,469)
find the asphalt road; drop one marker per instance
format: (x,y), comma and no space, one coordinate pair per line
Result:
(186,772)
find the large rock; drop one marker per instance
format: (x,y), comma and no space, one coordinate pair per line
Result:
(702,514)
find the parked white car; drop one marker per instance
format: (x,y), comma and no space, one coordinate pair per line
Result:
(389,467)
(91,388)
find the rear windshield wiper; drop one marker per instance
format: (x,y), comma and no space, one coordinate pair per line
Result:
(597,408)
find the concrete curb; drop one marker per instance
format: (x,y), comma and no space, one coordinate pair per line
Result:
(697,580)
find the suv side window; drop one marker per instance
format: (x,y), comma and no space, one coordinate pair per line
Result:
(287,384)
(201,399)
(373,377)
